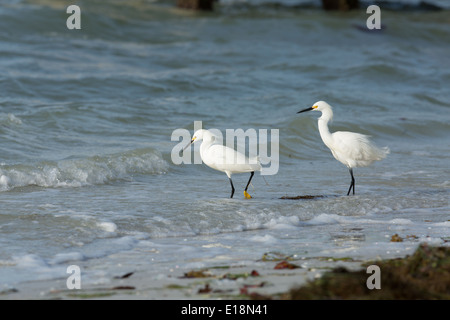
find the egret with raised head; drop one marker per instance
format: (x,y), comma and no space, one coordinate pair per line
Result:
(350,148)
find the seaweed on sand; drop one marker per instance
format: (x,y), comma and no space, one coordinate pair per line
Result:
(423,275)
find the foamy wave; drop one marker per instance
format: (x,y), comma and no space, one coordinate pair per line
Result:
(82,172)
(9,119)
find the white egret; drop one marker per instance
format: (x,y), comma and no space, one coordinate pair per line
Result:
(225,159)
(350,148)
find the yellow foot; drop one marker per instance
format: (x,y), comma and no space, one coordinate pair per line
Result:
(246,195)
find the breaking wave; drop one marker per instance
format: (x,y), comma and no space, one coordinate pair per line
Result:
(81,172)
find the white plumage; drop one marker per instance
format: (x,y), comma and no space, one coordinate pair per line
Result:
(350,148)
(224,159)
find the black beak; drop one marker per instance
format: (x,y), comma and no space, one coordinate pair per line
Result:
(307,109)
(192,140)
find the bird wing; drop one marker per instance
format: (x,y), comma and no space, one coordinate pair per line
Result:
(227,159)
(355,149)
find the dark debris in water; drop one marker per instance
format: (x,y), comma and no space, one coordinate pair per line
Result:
(197,274)
(285,265)
(423,275)
(396,238)
(123,288)
(305,197)
(205,289)
(125,276)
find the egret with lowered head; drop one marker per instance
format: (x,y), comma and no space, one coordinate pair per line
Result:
(225,159)
(350,148)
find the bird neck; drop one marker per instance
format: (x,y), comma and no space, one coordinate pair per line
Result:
(206,143)
(324,130)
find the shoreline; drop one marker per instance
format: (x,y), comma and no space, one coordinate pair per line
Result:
(274,277)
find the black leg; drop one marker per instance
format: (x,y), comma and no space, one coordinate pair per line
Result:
(249,180)
(247,196)
(352,184)
(232,188)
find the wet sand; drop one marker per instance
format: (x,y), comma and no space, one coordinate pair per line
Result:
(274,276)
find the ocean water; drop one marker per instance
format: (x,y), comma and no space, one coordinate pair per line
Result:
(87,116)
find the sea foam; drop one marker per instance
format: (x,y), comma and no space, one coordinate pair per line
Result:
(85,171)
